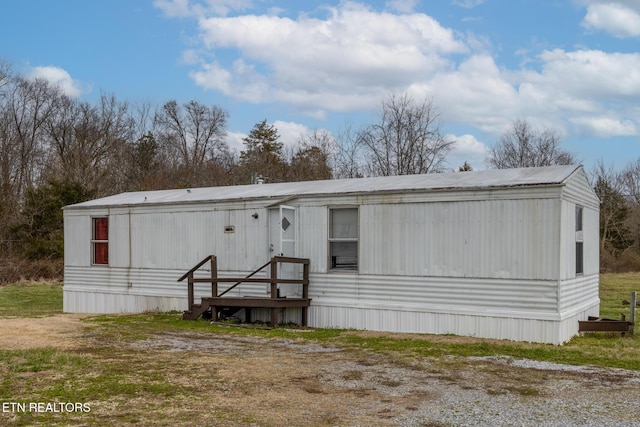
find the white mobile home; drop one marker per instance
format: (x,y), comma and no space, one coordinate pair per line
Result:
(510,254)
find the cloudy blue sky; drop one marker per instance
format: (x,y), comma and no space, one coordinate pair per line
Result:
(569,65)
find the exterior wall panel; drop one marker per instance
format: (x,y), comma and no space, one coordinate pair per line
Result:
(578,293)
(313,236)
(578,190)
(178,240)
(478,296)
(481,239)
(77,240)
(157,290)
(119,240)
(591,221)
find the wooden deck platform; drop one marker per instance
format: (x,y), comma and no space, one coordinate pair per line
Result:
(218,302)
(255,302)
(598,324)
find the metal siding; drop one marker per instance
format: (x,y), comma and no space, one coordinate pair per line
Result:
(379,319)
(591,225)
(482,239)
(506,309)
(591,242)
(489,297)
(77,240)
(313,236)
(178,240)
(578,190)
(578,293)
(567,257)
(119,241)
(113,290)
(511,328)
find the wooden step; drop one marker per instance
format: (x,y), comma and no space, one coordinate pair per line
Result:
(195,312)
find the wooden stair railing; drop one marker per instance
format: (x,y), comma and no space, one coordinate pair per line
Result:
(273,302)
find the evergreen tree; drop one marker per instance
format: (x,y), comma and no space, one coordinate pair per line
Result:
(263,155)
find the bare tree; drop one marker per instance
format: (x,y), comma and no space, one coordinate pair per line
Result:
(631,181)
(88,143)
(631,189)
(194,133)
(523,146)
(26,105)
(615,235)
(347,157)
(5,73)
(407,138)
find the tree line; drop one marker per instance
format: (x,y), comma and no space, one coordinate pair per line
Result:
(56,150)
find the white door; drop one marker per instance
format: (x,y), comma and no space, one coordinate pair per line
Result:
(283,236)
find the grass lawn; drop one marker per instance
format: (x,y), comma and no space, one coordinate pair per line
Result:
(615,292)
(30,300)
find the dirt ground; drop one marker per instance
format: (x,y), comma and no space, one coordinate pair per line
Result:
(61,331)
(277,382)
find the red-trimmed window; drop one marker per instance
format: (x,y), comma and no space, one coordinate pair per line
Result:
(100,241)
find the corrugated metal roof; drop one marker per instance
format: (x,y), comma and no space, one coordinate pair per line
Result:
(494,178)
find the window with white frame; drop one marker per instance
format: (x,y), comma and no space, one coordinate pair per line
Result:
(100,241)
(579,241)
(343,239)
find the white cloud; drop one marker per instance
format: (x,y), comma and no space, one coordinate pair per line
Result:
(467,4)
(478,92)
(620,19)
(58,77)
(190,57)
(467,149)
(354,55)
(235,141)
(402,6)
(592,89)
(189,8)
(290,132)
(591,73)
(593,92)
(174,8)
(605,127)
(240,81)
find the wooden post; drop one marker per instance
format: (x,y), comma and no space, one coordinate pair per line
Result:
(274,290)
(305,291)
(190,291)
(274,278)
(214,276)
(632,312)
